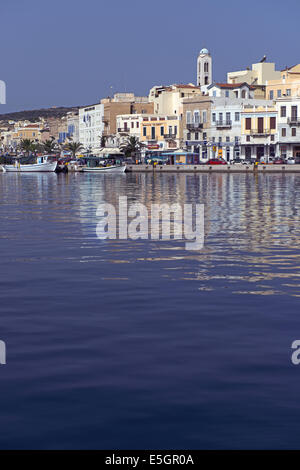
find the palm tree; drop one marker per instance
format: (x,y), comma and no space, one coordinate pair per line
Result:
(26,145)
(131,147)
(49,145)
(74,147)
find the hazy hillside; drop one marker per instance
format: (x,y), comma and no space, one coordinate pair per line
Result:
(34,114)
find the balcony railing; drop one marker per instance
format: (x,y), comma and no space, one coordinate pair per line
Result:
(294,121)
(196,126)
(123,129)
(260,132)
(170,136)
(224,124)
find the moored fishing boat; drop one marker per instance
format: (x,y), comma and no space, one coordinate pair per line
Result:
(42,165)
(105,169)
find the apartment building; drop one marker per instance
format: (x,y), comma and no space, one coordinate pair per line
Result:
(160,132)
(287,85)
(288,112)
(259,135)
(91,127)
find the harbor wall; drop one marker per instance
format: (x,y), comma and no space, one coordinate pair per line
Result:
(236,168)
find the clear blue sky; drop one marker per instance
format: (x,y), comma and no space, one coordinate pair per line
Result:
(70,52)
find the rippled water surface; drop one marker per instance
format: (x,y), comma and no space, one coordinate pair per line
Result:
(142,344)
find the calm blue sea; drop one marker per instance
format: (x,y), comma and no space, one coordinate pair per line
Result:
(143,344)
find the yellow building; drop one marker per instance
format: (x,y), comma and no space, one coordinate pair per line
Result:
(258,131)
(160,132)
(288,84)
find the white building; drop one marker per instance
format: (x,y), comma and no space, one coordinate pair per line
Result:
(91,126)
(288,112)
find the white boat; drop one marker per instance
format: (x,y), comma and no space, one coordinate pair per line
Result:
(105,169)
(42,165)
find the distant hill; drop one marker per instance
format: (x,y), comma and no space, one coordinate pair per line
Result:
(35,114)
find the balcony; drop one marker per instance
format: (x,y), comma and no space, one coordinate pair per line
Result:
(223,124)
(196,127)
(123,130)
(294,121)
(260,132)
(170,136)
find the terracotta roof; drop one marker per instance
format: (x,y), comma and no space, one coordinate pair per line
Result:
(180,85)
(232,85)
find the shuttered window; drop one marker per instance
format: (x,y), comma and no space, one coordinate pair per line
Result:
(248,124)
(273,123)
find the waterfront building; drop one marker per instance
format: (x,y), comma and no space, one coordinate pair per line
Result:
(73,126)
(204,70)
(286,85)
(167,100)
(288,112)
(91,127)
(259,74)
(259,131)
(212,123)
(122,103)
(196,124)
(160,132)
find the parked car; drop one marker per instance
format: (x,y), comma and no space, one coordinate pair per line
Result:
(291,161)
(216,161)
(279,161)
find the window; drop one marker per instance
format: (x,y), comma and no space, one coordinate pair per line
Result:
(220,139)
(283,111)
(288,92)
(228,117)
(162,130)
(213,139)
(227,139)
(206,67)
(294,112)
(137,124)
(283,132)
(175,130)
(293,131)
(243,93)
(188,136)
(196,135)
(248,124)
(271,95)
(153,133)
(132,125)
(188,117)
(196,117)
(144,131)
(237,116)
(221,117)
(278,93)
(248,138)
(204,117)
(170,130)
(213,117)
(227,93)
(204,135)
(273,123)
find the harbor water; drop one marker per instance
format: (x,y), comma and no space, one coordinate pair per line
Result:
(132,344)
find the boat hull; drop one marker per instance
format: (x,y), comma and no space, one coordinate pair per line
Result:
(106,169)
(44,167)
